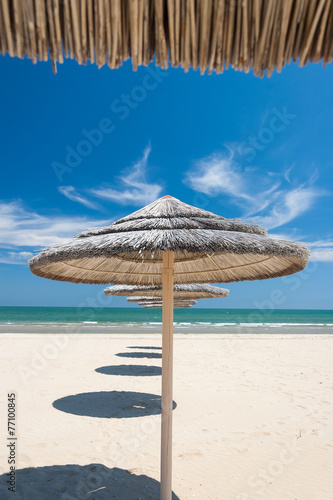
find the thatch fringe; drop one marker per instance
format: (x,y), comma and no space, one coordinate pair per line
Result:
(147,246)
(154,305)
(207,34)
(194,291)
(217,224)
(141,300)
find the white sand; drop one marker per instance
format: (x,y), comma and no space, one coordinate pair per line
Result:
(253,418)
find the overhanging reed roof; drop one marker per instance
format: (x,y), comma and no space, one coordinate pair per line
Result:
(188,291)
(135,256)
(207,34)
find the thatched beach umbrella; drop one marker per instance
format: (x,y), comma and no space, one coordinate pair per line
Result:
(142,299)
(189,291)
(209,34)
(159,305)
(169,242)
(157,302)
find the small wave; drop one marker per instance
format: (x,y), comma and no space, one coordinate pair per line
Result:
(291,325)
(224,324)
(279,325)
(252,325)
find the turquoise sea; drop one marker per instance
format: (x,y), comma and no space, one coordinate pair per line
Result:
(97,319)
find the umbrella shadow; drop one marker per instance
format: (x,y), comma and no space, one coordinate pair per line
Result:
(155,355)
(80,481)
(131,370)
(113,404)
(143,347)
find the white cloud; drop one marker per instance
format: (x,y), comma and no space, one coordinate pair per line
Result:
(321,250)
(20,227)
(133,188)
(293,203)
(271,199)
(321,243)
(72,194)
(215,175)
(220,174)
(322,255)
(16,258)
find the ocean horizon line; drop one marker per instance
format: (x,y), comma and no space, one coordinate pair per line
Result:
(101,317)
(195,308)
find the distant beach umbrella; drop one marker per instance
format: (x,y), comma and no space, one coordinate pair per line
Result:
(189,291)
(142,299)
(159,305)
(181,292)
(169,242)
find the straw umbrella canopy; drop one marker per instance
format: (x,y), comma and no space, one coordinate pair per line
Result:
(142,299)
(210,35)
(206,248)
(169,242)
(159,305)
(182,293)
(189,291)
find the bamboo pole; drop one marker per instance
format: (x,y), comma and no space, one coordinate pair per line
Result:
(167,354)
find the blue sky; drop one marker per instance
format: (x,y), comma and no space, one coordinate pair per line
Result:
(87,146)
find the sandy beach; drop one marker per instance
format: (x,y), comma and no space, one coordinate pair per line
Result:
(252,416)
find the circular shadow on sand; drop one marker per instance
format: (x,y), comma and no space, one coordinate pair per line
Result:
(131,370)
(93,481)
(143,347)
(113,404)
(155,355)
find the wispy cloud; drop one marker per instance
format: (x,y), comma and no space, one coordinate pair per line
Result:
(16,258)
(23,228)
(132,189)
(271,200)
(218,174)
(293,203)
(71,193)
(322,250)
(221,174)
(322,255)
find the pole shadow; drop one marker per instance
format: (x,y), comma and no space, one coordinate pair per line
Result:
(143,347)
(113,404)
(155,355)
(131,370)
(94,481)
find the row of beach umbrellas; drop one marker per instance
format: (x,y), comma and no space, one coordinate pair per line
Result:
(151,296)
(166,244)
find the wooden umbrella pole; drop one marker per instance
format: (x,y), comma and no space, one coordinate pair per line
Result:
(167,355)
